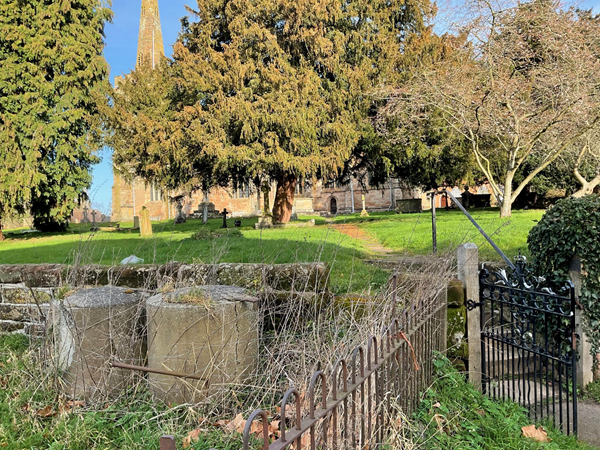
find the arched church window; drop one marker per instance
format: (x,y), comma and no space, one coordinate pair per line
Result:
(155,193)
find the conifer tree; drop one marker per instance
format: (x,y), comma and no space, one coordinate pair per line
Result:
(284,88)
(53,78)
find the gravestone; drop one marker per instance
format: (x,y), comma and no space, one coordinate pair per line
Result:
(145,223)
(364,212)
(136,222)
(224,214)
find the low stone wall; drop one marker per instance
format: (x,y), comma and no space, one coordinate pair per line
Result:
(27,289)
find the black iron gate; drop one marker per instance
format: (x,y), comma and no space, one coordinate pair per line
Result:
(528,343)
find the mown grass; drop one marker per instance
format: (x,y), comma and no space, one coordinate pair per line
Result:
(176,243)
(453,415)
(410,234)
(406,234)
(33,416)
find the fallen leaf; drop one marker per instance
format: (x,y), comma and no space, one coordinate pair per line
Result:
(440,421)
(481,412)
(237,424)
(70,405)
(437,404)
(274,428)
(48,411)
(256,429)
(538,434)
(193,436)
(220,423)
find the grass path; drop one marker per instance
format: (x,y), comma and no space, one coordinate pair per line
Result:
(370,242)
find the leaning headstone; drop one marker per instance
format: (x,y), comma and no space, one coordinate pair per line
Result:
(92,328)
(145,224)
(136,222)
(210,332)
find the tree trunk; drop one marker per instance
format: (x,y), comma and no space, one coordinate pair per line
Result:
(284,198)
(506,207)
(1,234)
(587,188)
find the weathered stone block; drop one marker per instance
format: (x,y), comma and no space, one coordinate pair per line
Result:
(93,327)
(198,274)
(456,293)
(298,277)
(457,329)
(21,294)
(34,275)
(9,326)
(207,331)
(23,313)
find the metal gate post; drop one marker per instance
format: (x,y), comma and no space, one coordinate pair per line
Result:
(468,273)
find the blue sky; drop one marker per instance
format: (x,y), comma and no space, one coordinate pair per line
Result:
(120,52)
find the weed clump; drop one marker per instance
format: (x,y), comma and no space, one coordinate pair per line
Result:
(453,414)
(194,296)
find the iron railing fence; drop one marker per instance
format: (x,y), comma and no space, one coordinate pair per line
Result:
(354,405)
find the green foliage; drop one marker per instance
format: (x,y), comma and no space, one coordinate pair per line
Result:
(53,77)
(592,391)
(454,415)
(269,90)
(571,228)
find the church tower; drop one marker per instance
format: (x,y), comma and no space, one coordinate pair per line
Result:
(150,41)
(129,197)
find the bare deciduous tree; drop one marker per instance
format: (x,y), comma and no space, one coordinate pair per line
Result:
(588,155)
(523,85)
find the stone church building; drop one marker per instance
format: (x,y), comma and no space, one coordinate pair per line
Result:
(322,198)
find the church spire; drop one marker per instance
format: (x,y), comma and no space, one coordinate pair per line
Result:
(150,42)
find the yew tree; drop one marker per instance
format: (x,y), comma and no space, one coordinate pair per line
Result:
(53,78)
(283,89)
(522,88)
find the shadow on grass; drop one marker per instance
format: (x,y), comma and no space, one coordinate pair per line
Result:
(175,243)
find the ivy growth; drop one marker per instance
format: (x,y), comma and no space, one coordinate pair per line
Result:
(571,228)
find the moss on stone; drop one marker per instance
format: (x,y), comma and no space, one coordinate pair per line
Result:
(194,296)
(456,293)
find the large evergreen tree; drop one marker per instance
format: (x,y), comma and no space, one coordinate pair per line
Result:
(284,88)
(53,77)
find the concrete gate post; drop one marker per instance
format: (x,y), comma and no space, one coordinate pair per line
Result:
(468,273)
(585,361)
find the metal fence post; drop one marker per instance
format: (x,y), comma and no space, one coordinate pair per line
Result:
(468,273)
(585,362)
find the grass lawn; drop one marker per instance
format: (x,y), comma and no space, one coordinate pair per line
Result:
(411,233)
(175,243)
(406,234)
